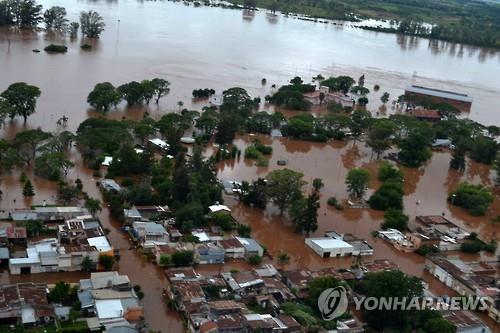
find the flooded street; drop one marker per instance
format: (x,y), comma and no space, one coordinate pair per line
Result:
(219,48)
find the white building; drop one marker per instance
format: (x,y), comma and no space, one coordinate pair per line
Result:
(329,247)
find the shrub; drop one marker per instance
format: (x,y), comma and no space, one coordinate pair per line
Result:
(475,198)
(389,195)
(332,201)
(56,48)
(182,258)
(426,249)
(395,219)
(223,220)
(255,260)
(244,230)
(86,47)
(389,172)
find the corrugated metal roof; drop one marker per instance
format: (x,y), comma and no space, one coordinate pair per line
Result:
(439,93)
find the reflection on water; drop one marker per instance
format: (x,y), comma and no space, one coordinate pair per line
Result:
(220,48)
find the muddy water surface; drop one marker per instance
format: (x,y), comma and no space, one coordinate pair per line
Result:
(220,48)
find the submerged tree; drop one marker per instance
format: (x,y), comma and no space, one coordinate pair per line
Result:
(103,97)
(55,18)
(21,99)
(92,24)
(304,213)
(93,205)
(28,190)
(285,187)
(357,182)
(161,88)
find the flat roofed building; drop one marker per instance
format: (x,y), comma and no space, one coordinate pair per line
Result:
(329,247)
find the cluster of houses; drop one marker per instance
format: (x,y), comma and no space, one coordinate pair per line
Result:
(253,300)
(107,301)
(247,301)
(78,235)
(209,245)
(469,278)
(433,231)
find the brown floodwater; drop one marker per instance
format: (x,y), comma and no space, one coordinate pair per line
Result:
(331,162)
(219,48)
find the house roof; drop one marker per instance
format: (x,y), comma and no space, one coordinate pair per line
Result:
(208,327)
(110,184)
(218,208)
(100,243)
(230,243)
(439,93)
(107,161)
(327,243)
(427,114)
(100,280)
(132,213)
(110,308)
(188,290)
(250,244)
(201,235)
(12,231)
(4,253)
(150,227)
(462,320)
(226,305)
(159,143)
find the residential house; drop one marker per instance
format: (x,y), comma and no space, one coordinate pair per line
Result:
(232,248)
(209,253)
(150,233)
(298,280)
(110,185)
(426,115)
(132,215)
(49,214)
(438,231)
(244,283)
(324,96)
(402,242)
(26,303)
(267,323)
(465,322)
(49,255)
(473,279)
(11,233)
(110,297)
(252,248)
(187,293)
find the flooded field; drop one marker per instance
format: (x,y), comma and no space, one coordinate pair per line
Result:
(216,48)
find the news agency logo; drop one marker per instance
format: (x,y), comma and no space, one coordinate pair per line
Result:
(332,303)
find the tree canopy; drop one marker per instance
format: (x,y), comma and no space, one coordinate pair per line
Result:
(285,187)
(21,99)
